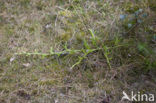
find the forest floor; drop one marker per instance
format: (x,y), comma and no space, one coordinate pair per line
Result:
(76,51)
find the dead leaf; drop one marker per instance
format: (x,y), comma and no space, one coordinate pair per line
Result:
(12,59)
(26,64)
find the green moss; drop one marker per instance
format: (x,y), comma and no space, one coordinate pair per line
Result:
(80,36)
(65,36)
(65,13)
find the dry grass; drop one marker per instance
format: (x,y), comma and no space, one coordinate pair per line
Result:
(37,25)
